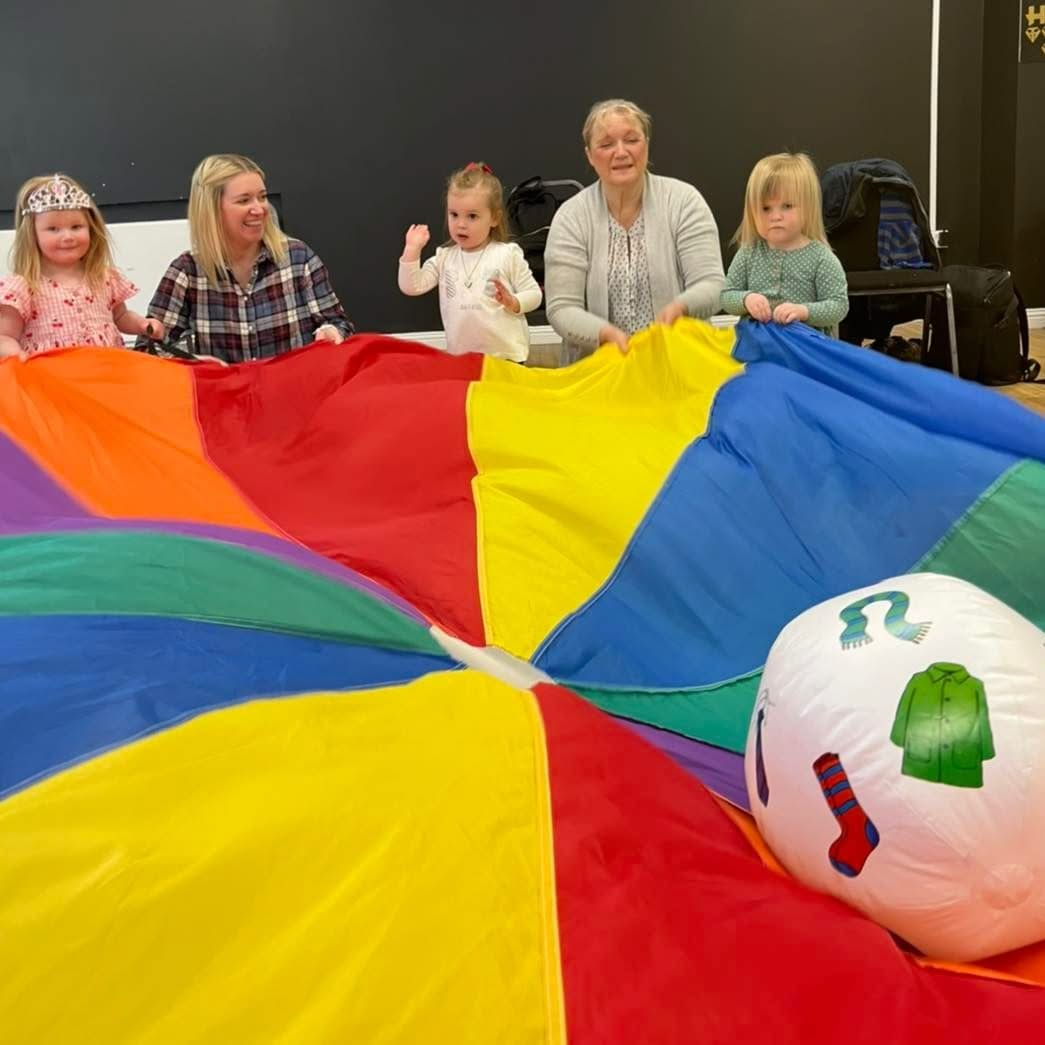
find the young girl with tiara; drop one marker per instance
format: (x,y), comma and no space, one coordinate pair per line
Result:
(65,290)
(485,284)
(785,271)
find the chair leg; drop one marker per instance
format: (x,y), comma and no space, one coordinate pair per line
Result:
(952,332)
(927,325)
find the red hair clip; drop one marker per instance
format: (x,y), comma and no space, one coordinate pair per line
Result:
(479,167)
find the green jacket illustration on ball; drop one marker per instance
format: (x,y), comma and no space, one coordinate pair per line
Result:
(943,728)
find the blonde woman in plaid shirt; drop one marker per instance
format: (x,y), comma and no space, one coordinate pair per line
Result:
(65,290)
(245,290)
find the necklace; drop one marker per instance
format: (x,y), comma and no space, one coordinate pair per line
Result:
(469,276)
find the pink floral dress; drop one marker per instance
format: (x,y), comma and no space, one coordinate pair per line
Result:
(57,316)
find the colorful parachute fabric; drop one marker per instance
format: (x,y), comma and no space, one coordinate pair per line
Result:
(245,793)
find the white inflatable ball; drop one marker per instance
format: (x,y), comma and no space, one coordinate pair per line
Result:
(896,759)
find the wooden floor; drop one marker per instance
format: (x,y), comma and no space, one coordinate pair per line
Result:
(1031,396)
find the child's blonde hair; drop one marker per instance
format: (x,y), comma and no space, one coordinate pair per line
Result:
(479,176)
(616,107)
(791,176)
(25,251)
(206,231)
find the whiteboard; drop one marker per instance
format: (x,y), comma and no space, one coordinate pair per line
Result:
(142,249)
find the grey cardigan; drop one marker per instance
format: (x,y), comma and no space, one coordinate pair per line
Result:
(682,247)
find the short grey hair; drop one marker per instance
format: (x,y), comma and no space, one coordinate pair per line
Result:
(620,107)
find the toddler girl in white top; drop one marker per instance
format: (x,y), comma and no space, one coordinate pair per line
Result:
(65,290)
(485,285)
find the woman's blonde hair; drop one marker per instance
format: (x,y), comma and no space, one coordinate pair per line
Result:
(25,251)
(206,231)
(791,176)
(616,107)
(479,176)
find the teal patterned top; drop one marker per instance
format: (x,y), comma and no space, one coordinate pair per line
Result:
(810,276)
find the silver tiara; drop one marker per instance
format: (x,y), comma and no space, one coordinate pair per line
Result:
(57,194)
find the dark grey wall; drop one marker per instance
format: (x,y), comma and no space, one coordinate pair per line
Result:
(1028,259)
(1012,214)
(960,112)
(358,109)
(998,143)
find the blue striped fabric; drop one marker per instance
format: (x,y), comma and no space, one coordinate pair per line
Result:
(899,238)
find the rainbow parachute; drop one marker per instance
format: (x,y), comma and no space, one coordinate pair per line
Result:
(301,666)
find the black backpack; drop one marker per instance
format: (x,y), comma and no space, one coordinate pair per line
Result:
(990,321)
(531,205)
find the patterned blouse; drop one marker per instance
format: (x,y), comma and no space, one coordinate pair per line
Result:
(631,304)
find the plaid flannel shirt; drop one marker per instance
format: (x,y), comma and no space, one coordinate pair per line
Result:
(282,307)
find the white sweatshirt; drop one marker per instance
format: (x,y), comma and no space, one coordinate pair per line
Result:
(472,318)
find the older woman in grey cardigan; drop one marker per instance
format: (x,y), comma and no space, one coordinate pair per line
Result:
(631,249)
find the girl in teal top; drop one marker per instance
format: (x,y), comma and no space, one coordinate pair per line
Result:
(784,271)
